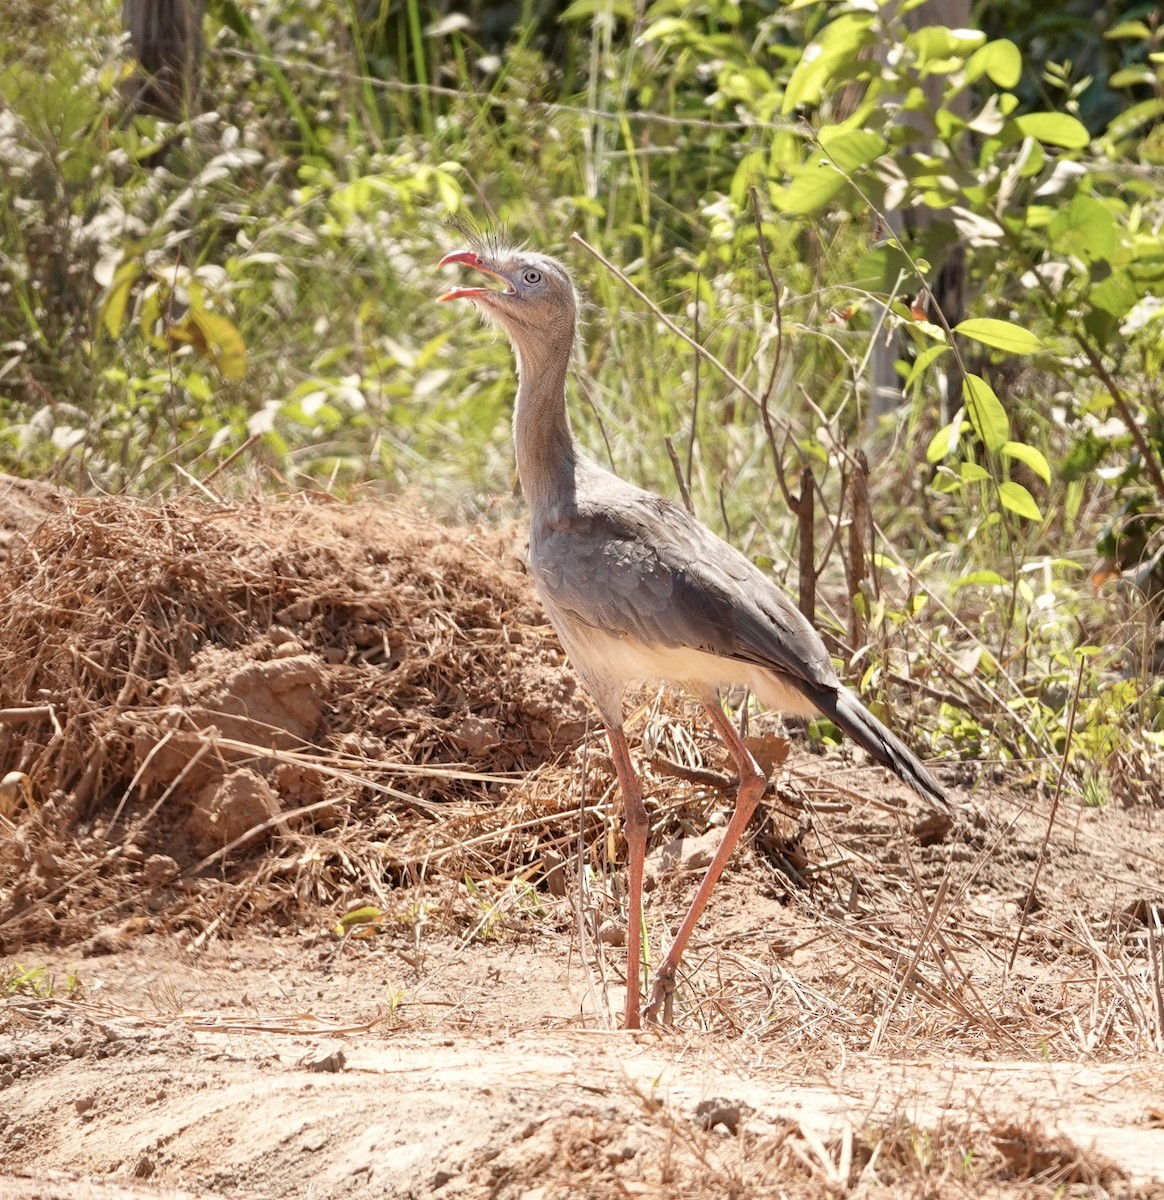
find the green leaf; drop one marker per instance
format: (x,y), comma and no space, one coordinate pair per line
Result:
(988,418)
(1116,295)
(935,45)
(945,441)
(214,337)
(812,187)
(922,364)
(1138,75)
(1082,459)
(1054,129)
(839,41)
(1125,123)
(1130,29)
(1085,228)
(1018,500)
(883,269)
(1029,456)
(751,170)
(971,472)
(853,148)
(117,297)
(980,579)
(999,60)
(1002,335)
(357,916)
(584,10)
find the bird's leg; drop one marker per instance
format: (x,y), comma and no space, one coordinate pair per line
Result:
(752,784)
(634,828)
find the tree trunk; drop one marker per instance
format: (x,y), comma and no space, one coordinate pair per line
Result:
(166,36)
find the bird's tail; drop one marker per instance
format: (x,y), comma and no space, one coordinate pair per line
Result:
(843,708)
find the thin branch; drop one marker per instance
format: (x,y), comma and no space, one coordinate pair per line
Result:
(1018,937)
(684,490)
(702,351)
(695,397)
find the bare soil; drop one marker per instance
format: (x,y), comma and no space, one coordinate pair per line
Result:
(310,886)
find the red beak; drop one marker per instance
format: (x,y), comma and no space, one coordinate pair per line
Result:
(470,259)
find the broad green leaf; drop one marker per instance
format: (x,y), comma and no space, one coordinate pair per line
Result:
(751,170)
(1002,335)
(945,441)
(853,149)
(1137,76)
(1031,457)
(664,27)
(999,60)
(1086,228)
(922,364)
(1116,295)
(812,187)
(980,579)
(584,10)
(357,916)
(971,472)
(216,338)
(1016,498)
(1124,124)
(355,197)
(1130,29)
(936,44)
(987,416)
(1054,129)
(839,41)
(884,269)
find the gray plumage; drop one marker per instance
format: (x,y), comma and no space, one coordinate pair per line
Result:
(630,580)
(638,589)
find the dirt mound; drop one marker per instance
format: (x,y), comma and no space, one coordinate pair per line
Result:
(279,718)
(174,677)
(24,505)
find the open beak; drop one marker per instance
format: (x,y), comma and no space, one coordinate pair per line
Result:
(471,259)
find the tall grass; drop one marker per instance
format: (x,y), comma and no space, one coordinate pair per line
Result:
(307,211)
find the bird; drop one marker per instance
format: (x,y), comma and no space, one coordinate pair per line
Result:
(638,589)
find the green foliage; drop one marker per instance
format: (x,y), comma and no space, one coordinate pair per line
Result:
(38,982)
(254,289)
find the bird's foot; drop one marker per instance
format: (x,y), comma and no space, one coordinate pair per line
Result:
(662,995)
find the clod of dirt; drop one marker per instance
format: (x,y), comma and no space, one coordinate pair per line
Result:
(24,505)
(277,704)
(226,809)
(477,734)
(681,856)
(158,868)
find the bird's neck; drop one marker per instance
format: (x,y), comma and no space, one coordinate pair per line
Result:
(542,439)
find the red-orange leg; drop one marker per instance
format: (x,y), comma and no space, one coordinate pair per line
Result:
(752,785)
(635,831)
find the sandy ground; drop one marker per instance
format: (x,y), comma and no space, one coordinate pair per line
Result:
(217,1073)
(227,729)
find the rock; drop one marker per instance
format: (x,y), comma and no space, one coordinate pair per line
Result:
(159,868)
(680,856)
(226,809)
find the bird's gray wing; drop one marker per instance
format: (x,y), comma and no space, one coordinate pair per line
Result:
(637,566)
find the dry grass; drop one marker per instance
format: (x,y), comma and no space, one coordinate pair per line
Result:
(435,766)
(723,1149)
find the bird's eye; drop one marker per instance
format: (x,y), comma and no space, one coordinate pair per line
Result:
(531,276)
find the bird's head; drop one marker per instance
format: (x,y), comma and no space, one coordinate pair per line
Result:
(535,303)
